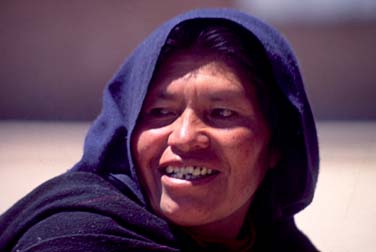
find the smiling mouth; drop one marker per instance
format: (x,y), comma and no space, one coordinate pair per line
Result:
(189,172)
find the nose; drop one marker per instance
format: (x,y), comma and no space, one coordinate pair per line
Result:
(188,133)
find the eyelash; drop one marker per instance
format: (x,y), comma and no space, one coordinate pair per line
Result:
(222,113)
(160,113)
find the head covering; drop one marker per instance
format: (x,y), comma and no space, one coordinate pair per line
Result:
(99,204)
(107,145)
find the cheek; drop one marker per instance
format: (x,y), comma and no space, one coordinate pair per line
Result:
(146,145)
(239,144)
(246,154)
(144,151)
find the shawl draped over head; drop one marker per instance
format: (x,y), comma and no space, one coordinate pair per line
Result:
(99,206)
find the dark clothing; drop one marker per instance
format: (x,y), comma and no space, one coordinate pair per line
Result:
(81,211)
(99,204)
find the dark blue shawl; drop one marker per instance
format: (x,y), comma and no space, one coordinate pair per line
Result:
(99,206)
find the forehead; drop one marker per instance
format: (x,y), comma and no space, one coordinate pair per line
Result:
(184,66)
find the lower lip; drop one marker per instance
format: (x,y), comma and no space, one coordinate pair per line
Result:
(175,182)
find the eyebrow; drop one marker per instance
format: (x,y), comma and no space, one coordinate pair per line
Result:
(226,96)
(164,95)
(217,96)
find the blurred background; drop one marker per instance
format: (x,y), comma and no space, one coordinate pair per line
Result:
(57,56)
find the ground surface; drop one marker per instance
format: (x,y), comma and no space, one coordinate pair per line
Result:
(342,217)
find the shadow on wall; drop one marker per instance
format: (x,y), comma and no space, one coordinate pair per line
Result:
(56,57)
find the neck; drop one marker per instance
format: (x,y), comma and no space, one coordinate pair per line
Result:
(225,229)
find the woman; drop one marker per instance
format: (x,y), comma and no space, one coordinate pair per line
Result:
(206,142)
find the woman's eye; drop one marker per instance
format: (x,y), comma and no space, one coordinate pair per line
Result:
(222,113)
(160,112)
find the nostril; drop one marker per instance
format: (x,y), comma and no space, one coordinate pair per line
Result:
(203,140)
(189,142)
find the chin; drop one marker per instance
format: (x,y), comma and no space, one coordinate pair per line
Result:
(184,216)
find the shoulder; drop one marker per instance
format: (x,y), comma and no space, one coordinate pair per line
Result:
(284,235)
(81,211)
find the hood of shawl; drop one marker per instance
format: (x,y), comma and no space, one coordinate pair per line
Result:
(107,145)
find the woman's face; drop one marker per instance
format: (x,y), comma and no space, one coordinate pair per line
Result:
(201,144)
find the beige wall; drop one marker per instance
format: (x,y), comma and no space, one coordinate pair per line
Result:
(339,67)
(56,56)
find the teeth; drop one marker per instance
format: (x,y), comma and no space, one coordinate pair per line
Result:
(203,171)
(188,172)
(190,169)
(169,169)
(196,172)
